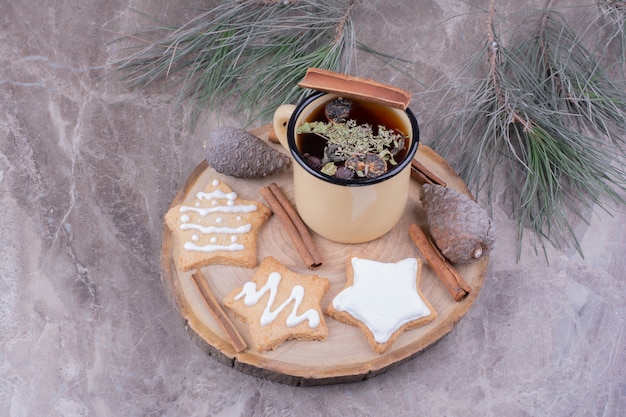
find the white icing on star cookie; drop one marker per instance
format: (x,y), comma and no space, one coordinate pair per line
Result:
(251,296)
(279,305)
(384,297)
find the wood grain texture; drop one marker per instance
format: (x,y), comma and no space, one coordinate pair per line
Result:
(345,356)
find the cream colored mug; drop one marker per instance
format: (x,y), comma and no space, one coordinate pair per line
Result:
(346,211)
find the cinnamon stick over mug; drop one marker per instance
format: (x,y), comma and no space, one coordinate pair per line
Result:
(355,87)
(293,225)
(454,283)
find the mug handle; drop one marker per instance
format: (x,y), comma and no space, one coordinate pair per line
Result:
(281,121)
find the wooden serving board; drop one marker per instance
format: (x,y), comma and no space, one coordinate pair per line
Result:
(345,356)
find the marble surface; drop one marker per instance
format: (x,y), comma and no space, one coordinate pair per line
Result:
(88,169)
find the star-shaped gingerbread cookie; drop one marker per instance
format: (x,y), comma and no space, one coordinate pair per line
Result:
(382,299)
(217,227)
(280,305)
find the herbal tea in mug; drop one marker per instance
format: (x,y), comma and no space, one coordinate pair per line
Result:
(352,163)
(352,139)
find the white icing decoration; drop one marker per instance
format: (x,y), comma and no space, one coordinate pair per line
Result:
(215,183)
(383,296)
(229,207)
(203,211)
(233,238)
(212,248)
(216,194)
(215,229)
(252,296)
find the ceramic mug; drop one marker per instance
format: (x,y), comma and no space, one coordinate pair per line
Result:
(346,211)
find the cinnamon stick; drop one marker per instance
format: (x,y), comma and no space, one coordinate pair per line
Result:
(218,313)
(268,130)
(355,87)
(293,225)
(272,137)
(454,283)
(424,175)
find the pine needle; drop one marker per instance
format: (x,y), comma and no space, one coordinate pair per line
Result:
(251,51)
(574,81)
(614,14)
(548,113)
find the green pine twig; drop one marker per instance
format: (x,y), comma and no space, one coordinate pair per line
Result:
(614,14)
(251,51)
(545,114)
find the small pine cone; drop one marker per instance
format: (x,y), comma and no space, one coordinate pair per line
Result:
(461,229)
(237,153)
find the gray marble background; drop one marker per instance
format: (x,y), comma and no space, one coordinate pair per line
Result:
(88,169)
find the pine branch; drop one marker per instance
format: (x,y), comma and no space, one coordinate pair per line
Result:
(574,79)
(613,27)
(547,112)
(494,69)
(251,51)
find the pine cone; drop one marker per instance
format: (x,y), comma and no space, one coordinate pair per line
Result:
(461,229)
(237,153)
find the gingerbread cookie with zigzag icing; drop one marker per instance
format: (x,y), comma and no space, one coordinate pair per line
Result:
(280,305)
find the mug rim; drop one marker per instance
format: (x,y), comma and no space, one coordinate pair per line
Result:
(291,141)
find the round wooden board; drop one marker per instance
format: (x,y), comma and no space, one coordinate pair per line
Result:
(345,356)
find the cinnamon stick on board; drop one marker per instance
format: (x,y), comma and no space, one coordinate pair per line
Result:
(293,225)
(454,283)
(424,175)
(355,87)
(218,313)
